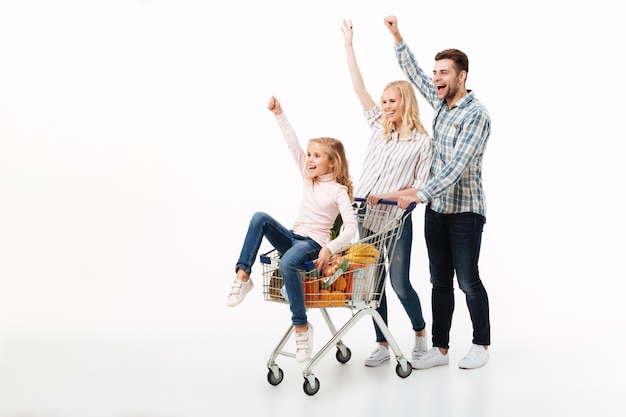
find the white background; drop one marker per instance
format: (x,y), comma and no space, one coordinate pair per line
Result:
(135,144)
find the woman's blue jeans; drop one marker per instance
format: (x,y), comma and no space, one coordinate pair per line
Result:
(400,282)
(294,250)
(453,242)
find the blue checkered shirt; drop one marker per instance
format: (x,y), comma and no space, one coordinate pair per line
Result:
(460,135)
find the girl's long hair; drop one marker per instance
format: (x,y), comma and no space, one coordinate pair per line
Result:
(335,150)
(411,115)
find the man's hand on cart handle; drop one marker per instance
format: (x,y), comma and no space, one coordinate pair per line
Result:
(323,259)
(410,202)
(406,200)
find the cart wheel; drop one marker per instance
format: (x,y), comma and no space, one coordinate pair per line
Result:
(308,389)
(403,373)
(341,357)
(273,379)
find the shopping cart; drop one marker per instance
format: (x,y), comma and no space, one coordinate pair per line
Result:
(355,279)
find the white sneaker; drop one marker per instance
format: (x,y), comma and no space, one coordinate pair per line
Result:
(304,344)
(238,292)
(433,357)
(378,357)
(475,358)
(420,348)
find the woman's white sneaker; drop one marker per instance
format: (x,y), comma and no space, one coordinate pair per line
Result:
(433,357)
(378,357)
(475,358)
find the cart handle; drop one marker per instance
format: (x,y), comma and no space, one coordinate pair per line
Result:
(266,259)
(391,203)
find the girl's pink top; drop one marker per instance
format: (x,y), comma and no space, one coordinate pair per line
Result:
(321,201)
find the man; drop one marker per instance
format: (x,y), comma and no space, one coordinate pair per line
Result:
(455,211)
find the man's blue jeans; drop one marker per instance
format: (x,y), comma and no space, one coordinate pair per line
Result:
(295,250)
(453,242)
(400,282)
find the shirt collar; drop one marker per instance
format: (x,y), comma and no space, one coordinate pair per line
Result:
(462,102)
(326,177)
(396,136)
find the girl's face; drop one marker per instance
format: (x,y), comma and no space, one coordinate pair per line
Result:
(392,105)
(318,162)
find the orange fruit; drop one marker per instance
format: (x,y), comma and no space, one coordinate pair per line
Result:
(311,292)
(337,298)
(340,284)
(324,299)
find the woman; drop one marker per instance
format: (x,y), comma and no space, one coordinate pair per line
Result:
(397,163)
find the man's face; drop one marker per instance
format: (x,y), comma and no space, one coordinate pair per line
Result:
(446,79)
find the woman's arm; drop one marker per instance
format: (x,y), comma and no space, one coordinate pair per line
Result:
(373,199)
(355,74)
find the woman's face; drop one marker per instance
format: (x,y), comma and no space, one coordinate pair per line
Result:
(392,105)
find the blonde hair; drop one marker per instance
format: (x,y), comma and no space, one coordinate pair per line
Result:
(411,115)
(336,153)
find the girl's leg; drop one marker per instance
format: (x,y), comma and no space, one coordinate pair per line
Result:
(302,250)
(262,225)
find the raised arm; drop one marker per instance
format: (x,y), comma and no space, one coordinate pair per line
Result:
(409,66)
(273,105)
(392,24)
(289,134)
(355,74)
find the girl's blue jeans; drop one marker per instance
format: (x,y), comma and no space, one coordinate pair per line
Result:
(294,250)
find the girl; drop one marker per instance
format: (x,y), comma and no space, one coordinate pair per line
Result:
(327,192)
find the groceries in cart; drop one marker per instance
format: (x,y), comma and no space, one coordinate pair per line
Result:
(346,279)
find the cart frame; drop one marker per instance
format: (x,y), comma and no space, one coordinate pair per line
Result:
(376,229)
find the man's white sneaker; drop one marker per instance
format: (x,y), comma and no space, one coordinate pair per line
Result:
(378,357)
(475,358)
(420,348)
(238,292)
(433,357)
(304,344)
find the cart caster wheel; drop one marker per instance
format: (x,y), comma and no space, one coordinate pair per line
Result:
(273,379)
(403,373)
(341,357)
(308,389)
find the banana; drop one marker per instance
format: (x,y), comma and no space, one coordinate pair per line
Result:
(361,259)
(362,250)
